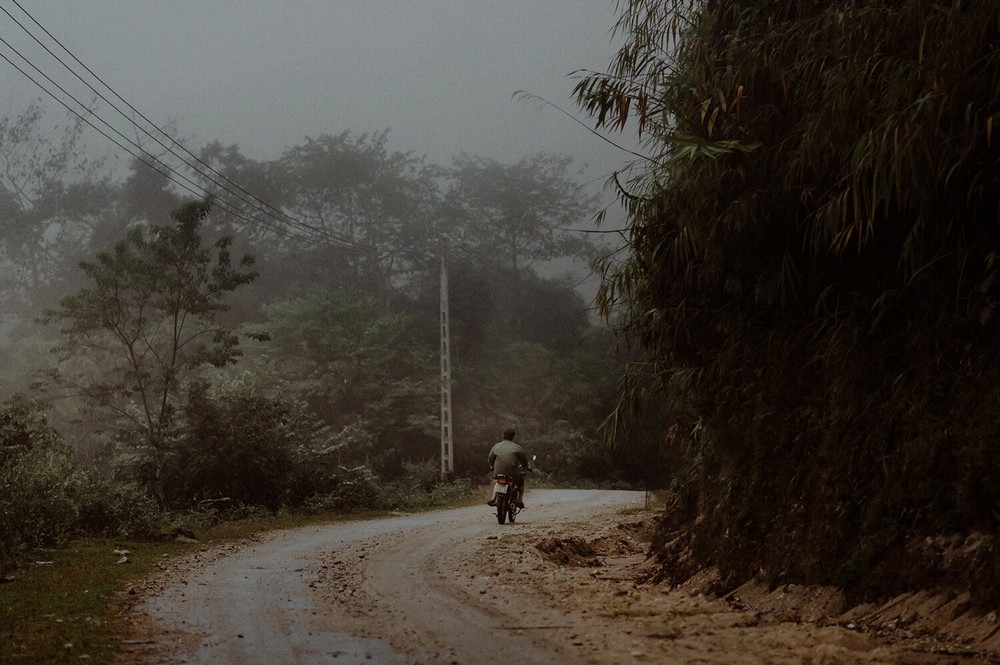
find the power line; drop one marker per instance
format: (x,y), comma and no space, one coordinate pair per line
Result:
(261,206)
(258,203)
(131,107)
(167,172)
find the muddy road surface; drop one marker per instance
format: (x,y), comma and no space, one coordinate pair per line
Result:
(566,584)
(335,593)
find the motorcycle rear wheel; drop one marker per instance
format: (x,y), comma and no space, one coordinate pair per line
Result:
(501,508)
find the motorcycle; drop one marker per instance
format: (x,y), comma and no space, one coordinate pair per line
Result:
(505,491)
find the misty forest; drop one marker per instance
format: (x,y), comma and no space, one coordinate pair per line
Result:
(274,343)
(795,336)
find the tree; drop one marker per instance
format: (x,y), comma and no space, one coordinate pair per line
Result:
(549,396)
(358,365)
(147,196)
(51,200)
(236,444)
(813,266)
(511,217)
(150,315)
(246,189)
(372,208)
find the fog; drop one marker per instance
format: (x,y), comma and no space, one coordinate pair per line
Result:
(285,351)
(440,74)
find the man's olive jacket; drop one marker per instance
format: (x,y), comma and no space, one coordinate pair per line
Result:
(508,458)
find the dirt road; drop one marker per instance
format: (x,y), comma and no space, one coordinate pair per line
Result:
(443,587)
(276,601)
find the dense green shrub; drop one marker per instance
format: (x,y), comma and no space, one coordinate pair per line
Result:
(112,508)
(234,441)
(357,488)
(23,428)
(36,501)
(444,494)
(238,443)
(35,478)
(46,496)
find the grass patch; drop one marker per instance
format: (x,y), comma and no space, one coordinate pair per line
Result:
(65,609)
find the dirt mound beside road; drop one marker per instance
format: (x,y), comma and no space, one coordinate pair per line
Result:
(936,626)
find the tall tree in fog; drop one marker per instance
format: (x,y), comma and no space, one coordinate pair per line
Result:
(373,207)
(147,195)
(510,217)
(149,314)
(248,195)
(51,200)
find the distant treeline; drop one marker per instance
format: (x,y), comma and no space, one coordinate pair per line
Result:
(274,343)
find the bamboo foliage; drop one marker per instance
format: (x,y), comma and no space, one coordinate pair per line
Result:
(814,237)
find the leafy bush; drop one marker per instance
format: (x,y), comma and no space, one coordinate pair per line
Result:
(36,502)
(112,508)
(45,496)
(23,428)
(357,488)
(445,494)
(360,488)
(35,476)
(234,441)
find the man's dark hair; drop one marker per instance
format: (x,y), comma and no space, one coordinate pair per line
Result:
(509,433)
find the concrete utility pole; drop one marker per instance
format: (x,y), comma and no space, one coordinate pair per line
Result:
(447,457)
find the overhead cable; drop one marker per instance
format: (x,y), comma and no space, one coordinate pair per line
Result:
(166,171)
(311,231)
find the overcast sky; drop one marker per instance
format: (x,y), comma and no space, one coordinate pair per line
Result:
(264,74)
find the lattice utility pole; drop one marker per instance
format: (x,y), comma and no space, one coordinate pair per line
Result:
(447,457)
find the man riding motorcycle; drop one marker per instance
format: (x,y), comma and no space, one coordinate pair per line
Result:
(508,458)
